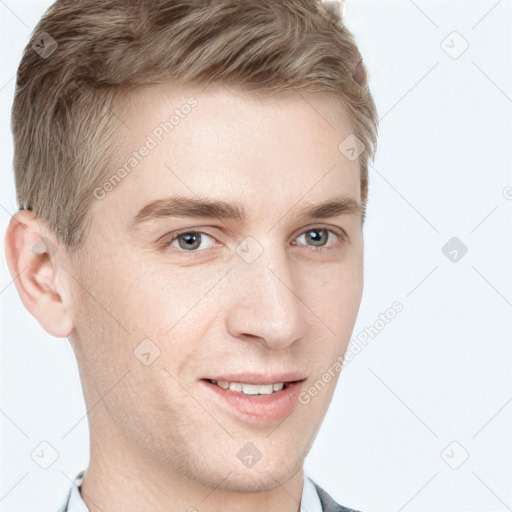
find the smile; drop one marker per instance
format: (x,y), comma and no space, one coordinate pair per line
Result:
(267,401)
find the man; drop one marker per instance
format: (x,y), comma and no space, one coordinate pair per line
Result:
(192,180)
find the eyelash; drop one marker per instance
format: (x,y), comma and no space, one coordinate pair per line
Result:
(342,237)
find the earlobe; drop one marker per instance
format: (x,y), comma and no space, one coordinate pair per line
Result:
(32,255)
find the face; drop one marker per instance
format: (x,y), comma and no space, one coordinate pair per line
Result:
(260,290)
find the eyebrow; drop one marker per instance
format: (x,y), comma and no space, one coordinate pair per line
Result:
(180,206)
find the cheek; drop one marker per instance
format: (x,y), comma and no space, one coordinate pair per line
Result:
(129,295)
(117,332)
(104,315)
(161,299)
(334,291)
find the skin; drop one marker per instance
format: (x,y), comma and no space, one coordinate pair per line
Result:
(158,442)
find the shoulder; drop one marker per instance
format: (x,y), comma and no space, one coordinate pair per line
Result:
(328,503)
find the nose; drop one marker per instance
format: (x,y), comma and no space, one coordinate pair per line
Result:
(264,301)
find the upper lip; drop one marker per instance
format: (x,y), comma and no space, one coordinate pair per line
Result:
(258,378)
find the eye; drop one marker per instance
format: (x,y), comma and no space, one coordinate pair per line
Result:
(188,241)
(319,237)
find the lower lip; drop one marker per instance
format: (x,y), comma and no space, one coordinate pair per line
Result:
(257,408)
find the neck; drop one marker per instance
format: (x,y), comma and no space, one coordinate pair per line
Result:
(120,479)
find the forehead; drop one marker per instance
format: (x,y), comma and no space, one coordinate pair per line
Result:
(228,118)
(228,144)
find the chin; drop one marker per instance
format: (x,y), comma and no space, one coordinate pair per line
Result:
(265,479)
(267,473)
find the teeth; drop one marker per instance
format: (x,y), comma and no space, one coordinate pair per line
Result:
(254,389)
(250,389)
(235,386)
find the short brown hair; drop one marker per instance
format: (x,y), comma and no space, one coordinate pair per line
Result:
(63,117)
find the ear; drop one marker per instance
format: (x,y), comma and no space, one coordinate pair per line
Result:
(33,254)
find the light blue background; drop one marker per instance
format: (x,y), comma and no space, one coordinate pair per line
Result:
(441,370)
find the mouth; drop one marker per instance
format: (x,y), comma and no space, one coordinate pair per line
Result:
(255,398)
